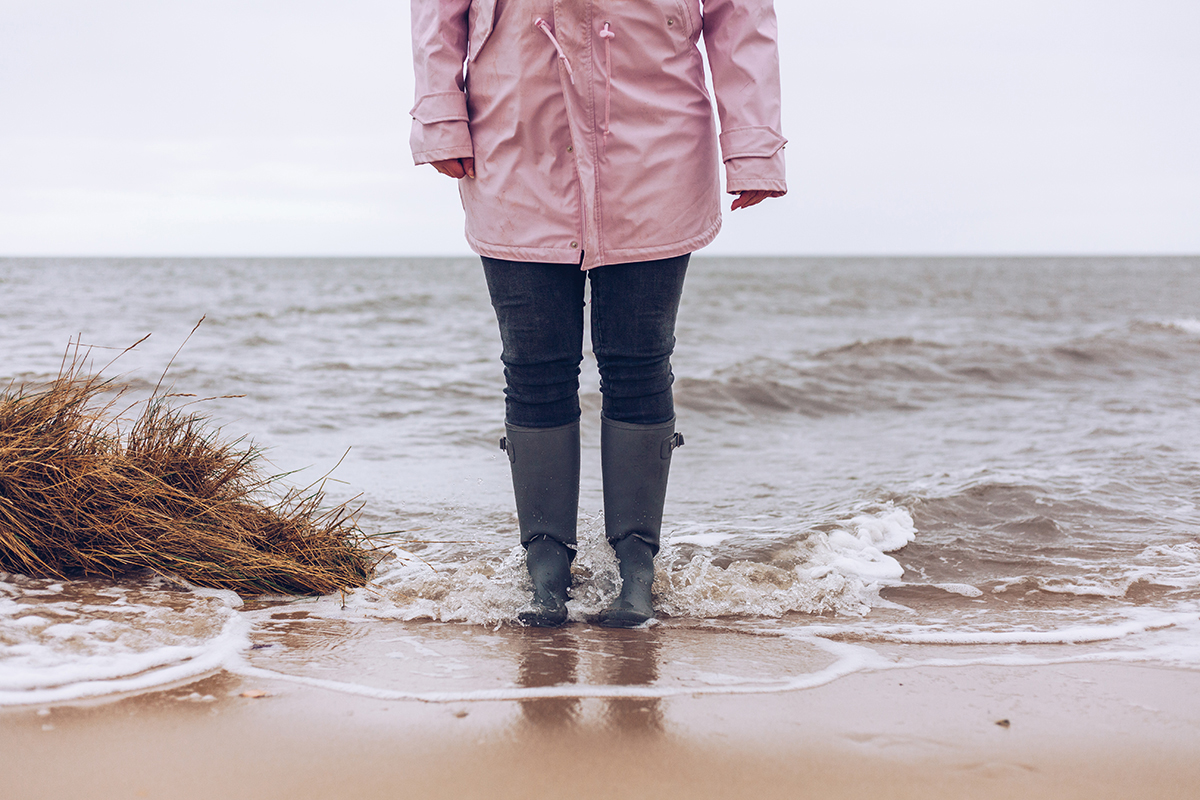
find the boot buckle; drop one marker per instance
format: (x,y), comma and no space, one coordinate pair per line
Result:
(669,444)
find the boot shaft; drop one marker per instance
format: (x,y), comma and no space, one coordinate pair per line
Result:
(545,474)
(635,462)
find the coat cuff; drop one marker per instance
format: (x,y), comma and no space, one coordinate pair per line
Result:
(440,130)
(440,107)
(755,142)
(748,174)
(440,141)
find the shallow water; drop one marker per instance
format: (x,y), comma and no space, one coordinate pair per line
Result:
(994,456)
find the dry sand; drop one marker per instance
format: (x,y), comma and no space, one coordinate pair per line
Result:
(1091,731)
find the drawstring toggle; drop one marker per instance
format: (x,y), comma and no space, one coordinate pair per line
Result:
(544,27)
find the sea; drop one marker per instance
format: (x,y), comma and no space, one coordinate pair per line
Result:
(889,463)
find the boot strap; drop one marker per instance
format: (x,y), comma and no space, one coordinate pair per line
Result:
(669,444)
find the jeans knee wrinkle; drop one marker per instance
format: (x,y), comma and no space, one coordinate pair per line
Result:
(540,310)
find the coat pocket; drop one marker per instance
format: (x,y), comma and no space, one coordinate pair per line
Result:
(480,20)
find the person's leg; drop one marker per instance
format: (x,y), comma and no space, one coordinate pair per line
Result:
(539,308)
(634,307)
(540,311)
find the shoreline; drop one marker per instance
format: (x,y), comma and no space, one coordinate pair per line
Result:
(1073,730)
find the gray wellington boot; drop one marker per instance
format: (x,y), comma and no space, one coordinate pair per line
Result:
(549,565)
(545,473)
(635,460)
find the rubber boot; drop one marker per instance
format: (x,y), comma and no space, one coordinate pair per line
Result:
(549,566)
(633,606)
(635,461)
(545,473)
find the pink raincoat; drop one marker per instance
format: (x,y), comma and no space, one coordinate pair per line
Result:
(589,120)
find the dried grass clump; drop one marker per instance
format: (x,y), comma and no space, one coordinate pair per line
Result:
(79,497)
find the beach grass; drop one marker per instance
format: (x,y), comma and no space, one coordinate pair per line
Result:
(86,492)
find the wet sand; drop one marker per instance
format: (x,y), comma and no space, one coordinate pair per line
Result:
(1054,731)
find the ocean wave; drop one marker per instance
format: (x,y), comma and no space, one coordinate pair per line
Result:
(1075,631)
(1190,325)
(65,641)
(1155,574)
(1029,541)
(836,571)
(1186,325)
(905,373)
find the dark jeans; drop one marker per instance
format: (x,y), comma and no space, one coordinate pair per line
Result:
(540,311)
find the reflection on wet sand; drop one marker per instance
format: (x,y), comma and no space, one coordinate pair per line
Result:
(632,661)
(621,658)
(548,658)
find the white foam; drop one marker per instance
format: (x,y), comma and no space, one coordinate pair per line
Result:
(1154,637)
(964,589)
(1188,324)
(76,642)
(745,588)
(848,660)
(60,642)
(836,571)
(705,539)
(1069,634)
(1174,566)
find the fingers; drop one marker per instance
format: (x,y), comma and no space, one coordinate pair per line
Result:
(456,167)
(747,199)
(451,168)
(741,201)
(752,197)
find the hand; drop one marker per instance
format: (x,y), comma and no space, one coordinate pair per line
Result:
(456,167)
(752,197)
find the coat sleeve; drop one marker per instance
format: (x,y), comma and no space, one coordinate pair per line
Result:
(439,41)
(741,38)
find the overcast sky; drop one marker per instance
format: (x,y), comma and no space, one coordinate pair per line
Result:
(280,127)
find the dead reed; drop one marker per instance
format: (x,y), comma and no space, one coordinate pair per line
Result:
(79,497)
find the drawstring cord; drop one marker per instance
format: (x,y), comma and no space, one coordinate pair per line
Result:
(607,35)
(545,28)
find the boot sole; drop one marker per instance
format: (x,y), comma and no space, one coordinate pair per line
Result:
(622,619)
(538,619)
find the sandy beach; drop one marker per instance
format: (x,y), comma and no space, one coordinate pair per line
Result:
(920,498)
(1091,730)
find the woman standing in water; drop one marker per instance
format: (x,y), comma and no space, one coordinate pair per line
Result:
(583,139)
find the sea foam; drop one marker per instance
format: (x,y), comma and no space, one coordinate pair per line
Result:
(839,570)
(71,641)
